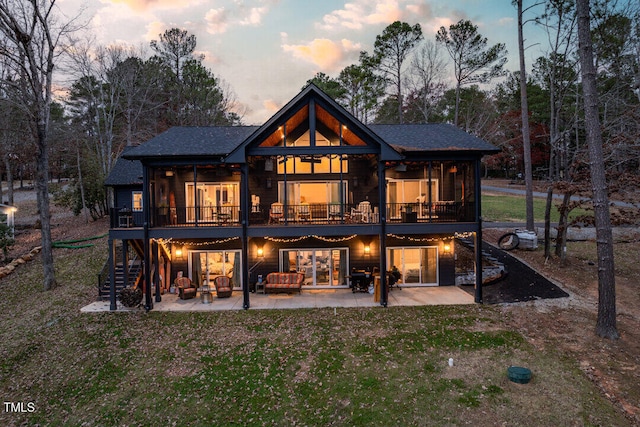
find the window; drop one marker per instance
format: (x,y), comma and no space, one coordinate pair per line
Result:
(418,265)
(213,199)
(402,192)
(312,164)
(136,201)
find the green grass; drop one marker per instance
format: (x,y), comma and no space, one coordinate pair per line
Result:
(506,208)
(358,367)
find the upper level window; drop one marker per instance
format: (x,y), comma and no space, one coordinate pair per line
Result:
(312,164)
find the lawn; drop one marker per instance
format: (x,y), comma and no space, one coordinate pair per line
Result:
(506,208)
(357,367)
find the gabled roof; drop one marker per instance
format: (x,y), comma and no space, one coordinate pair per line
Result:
(315,94)
(201,141)
(125,172)
(431,137)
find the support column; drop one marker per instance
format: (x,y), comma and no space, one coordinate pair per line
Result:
(156,270)
(478,235)
(382,236)
(112,277)
(244,208)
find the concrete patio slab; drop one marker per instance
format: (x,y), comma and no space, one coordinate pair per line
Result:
(317,298)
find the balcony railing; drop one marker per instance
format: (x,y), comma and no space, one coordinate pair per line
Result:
(314,213)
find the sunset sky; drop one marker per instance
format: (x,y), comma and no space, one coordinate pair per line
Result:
(267,49)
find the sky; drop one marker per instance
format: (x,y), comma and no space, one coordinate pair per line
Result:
(265,50)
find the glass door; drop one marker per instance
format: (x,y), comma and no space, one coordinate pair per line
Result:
(207,265)
(418,266)
(321,267)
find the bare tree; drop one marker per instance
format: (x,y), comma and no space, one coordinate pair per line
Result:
(426,77)
(606,323)
(32,36)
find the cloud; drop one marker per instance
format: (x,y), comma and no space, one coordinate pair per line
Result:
(147,5)
(271,106)
(217,21)
(220,20)
(360,13)
(325,53)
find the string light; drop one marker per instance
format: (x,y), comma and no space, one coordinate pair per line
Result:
(191,243)
(432,239)
(314,236)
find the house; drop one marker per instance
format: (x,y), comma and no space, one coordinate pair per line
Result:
(312,190)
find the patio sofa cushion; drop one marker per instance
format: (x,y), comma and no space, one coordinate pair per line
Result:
(284,282)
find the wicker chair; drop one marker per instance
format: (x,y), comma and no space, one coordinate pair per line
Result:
(223,286)
(186,289)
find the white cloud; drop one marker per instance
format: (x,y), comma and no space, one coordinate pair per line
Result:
(217,21)
(220,20)
(325,53)
(357,14)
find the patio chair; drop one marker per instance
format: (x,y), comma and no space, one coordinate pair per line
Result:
(223,286)
(304,214)
(276,213)
(186,289)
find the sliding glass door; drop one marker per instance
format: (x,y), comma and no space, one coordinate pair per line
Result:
(321,267)
(417,265)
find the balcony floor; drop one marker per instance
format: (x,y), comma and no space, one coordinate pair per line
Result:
(316,298)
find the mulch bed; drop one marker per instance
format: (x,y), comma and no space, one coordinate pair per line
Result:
(522,283)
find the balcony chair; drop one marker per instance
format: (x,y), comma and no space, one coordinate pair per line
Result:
(304,214)
(223,286)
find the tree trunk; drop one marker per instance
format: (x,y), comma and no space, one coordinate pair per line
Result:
(526,142)
(547,224)
(606,323)
(42,189)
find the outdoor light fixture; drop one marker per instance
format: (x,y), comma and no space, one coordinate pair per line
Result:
(367,249)
(447,248)
(260,251)
(168,173)
(179,253)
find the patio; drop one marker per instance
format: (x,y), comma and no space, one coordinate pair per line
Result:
(320,298)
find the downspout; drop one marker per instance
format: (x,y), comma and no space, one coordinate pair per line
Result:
(478,238)
(244,209)
(382,194)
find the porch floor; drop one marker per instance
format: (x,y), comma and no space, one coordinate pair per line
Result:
(317,298)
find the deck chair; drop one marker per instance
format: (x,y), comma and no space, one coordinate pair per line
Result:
(276,213)
(223,286)
(186,289)
(304,214)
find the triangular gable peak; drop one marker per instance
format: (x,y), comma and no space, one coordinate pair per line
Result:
(312,124)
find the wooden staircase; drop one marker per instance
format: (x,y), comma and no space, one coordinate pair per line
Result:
(134,272)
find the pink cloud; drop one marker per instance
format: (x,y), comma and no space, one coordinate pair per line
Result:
(325,53)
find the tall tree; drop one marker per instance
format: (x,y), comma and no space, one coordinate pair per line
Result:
(362,88)
(524,108)
(175,47)
(473,60)
(391,48)
(606,323)
(32,34)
